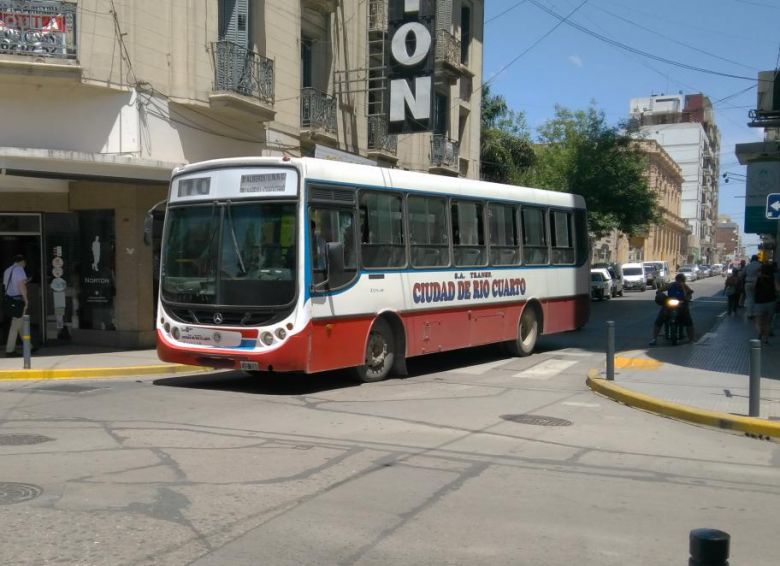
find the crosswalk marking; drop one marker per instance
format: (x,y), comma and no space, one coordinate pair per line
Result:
(546,369)
(573,352)
(480,369)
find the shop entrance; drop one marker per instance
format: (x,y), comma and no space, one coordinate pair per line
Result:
(20,234)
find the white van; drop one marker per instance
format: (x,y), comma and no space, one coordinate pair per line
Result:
(634,276)
(662,274)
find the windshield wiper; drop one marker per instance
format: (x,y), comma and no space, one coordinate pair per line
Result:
(235,240)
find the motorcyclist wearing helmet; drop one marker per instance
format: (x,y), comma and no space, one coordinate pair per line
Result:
(680,291)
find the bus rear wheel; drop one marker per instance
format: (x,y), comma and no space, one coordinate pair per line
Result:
(380,354)
(527,333)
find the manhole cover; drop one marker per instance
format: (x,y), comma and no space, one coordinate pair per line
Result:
(538,420)
(67,388)
(17,492)
(23,439)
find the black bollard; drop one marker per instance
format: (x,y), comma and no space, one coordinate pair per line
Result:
(709,547)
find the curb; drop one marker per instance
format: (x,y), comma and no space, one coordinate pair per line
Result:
(751,426)
(96,373)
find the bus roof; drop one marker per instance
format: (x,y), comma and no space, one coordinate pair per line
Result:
(331,171)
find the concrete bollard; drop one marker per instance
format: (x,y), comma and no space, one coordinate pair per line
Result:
(26,345)
(755,378)
(610,350)
(709,547)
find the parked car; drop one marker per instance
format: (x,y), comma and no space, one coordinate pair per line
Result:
(634,276)
(662,273)
(717,269)
(705,270)
(651,275)
(688,272)
(616,274)
(691,268)
(600,284)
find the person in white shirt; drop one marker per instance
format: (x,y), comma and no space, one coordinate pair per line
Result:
(15,284)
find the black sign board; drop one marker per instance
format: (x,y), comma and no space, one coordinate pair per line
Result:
(411,52)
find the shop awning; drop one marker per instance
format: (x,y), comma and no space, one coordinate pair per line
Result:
(77,165)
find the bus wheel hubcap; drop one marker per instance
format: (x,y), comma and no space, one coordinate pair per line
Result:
(377,351)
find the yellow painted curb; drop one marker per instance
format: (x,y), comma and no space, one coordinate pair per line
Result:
(748,425)
(641,363)
(95,373)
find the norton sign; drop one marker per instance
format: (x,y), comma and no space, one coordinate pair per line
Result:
(411,63)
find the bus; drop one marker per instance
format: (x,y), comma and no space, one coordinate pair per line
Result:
(279,264)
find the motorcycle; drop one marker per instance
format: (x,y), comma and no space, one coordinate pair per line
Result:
(674,330)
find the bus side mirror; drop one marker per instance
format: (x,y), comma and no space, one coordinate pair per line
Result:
(148,225)
(149,222)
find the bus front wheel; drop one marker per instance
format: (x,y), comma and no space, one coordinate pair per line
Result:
(527,333)
(380,354)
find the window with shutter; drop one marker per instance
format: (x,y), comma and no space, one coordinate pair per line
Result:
(234,21)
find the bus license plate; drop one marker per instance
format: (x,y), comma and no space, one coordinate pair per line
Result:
(249,366)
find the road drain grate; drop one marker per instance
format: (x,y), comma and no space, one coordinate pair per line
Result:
(537,420)
(23,439)
(67,388)
(11,493)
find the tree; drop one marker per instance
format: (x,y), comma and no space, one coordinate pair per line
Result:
(580,153)
(505,147)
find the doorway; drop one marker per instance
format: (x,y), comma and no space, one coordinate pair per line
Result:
(20,234)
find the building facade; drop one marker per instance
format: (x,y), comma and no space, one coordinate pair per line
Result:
(727,239)
(664,241)
(684,125)
(103,98)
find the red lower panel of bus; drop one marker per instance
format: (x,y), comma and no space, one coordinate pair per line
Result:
(339,343)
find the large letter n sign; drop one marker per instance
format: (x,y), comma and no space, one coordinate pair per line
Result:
(411,64)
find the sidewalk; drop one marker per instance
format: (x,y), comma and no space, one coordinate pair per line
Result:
(80,362)
(710,378)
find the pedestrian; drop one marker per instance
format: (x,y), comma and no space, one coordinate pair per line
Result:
(750,275)
(14,300)
(741,302)
(732,290)
(764,299)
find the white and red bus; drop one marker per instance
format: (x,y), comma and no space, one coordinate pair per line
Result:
(287,264)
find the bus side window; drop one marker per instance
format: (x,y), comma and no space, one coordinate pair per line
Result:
(561,237)
(502,221)
(535,247)
(428,231)
(332,226)
(383,243)
(581,238)
(468,233)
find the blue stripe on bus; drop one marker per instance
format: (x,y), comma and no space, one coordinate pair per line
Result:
(438,270)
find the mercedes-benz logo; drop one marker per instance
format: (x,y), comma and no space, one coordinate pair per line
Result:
(218,318)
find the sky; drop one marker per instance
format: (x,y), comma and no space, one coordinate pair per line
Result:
(535,61)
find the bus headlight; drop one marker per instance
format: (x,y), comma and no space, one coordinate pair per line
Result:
(281,333)
(167,328)
(176,332)
(267,338)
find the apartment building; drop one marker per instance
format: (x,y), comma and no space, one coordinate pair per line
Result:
(727,238)
(665,240)
(685,127)
(101,99)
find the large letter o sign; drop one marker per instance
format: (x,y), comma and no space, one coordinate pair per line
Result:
(422,45)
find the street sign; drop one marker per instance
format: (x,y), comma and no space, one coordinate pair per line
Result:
(773,206)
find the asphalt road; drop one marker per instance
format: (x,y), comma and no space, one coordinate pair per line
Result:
(476,458)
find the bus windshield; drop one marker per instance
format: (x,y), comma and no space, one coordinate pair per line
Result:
(231,254)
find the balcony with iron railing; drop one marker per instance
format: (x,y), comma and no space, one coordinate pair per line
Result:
(381,144)
(243,81)
(38,40)
(447,51)
(318,116)
(445,155)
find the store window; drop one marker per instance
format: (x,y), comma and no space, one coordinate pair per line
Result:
(95,265)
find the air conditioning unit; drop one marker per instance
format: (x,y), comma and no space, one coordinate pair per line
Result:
(768,102)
